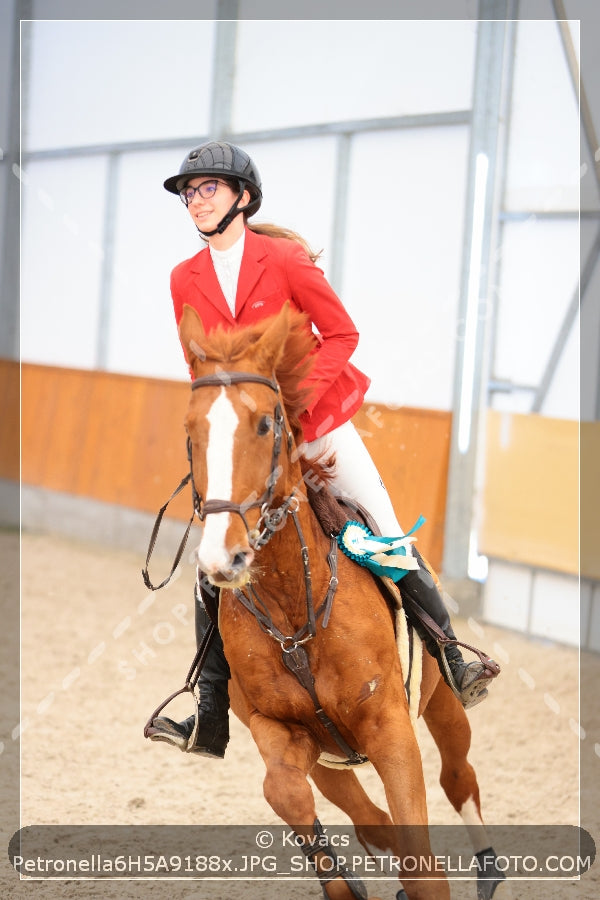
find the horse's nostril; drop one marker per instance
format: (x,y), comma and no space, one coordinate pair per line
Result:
(241,561)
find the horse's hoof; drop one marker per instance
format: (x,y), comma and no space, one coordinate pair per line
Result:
(502,891)
(491,882)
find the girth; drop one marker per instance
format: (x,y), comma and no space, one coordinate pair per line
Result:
(295,659)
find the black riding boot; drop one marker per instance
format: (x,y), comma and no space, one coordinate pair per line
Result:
(467,680)
(207,733)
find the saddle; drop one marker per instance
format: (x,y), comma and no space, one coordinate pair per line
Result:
(332,513)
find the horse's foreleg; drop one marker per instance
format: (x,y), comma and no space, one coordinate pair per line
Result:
(289,752)
(450,729)
(372,825)
(342,788)
(393,749)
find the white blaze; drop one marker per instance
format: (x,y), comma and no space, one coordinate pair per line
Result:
(223,421)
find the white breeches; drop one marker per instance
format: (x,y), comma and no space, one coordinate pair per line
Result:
(356,475)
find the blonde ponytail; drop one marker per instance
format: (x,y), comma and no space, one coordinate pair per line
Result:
(276,231)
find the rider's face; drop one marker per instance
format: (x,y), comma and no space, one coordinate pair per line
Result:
(207,211)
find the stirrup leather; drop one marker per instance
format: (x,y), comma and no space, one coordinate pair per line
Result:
(192,738)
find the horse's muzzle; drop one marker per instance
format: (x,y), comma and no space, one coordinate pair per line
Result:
(234,574)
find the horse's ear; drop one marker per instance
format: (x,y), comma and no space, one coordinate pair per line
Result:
(191,333)
(270,346)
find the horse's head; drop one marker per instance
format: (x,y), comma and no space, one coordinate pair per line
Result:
(239,434)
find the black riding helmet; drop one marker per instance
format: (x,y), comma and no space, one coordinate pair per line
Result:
(228,161)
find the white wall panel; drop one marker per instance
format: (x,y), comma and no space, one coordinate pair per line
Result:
(403,256)
(539,273)
(298,180)
(562,400)
(61,260)
(321,71)
(543,154)
(555,607)
(153,232)
(507,595)
(94,82)
(542,604)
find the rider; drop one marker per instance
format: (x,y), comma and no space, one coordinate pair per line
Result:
(245,273)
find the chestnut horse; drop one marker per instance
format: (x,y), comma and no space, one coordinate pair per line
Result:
(311,644)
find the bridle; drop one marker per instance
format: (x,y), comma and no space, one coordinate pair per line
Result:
(270,520)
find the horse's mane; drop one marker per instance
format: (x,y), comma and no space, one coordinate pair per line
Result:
(295,362)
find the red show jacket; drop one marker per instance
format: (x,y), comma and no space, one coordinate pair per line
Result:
(274,270)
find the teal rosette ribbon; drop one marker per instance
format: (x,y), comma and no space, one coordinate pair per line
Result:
(382,555)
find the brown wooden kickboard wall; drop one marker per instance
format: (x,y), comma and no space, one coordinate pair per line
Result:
(531,496)
(120,439)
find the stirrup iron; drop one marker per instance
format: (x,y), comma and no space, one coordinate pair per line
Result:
(471,699)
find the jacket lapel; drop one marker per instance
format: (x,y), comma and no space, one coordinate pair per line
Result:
(251,269)
(207,283)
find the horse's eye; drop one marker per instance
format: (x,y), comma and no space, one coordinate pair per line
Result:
(264,426)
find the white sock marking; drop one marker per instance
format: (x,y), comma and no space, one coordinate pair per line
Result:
(474,825)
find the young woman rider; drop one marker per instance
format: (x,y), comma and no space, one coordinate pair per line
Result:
(246,273)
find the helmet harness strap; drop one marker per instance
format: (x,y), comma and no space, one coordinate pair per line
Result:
(228,217)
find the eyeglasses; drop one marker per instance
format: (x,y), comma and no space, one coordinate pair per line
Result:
(206,190)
